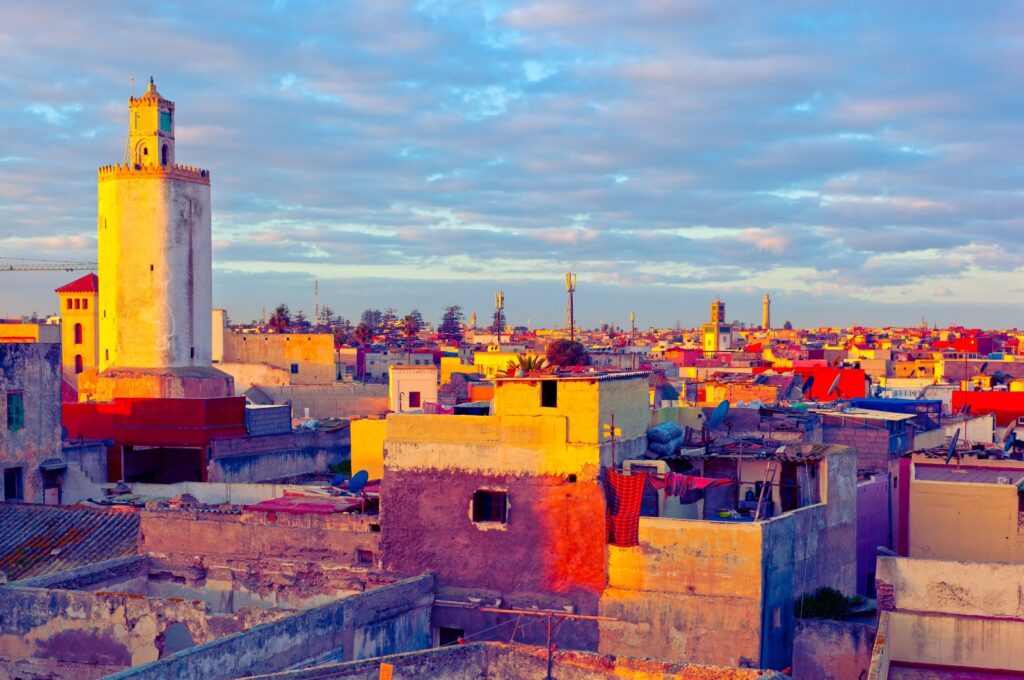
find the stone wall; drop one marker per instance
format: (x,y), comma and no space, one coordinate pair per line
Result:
(496,661)
(831,650)
(331,401)
(32,370)
(385,620)
(253,459)
(955,614)
(333,539)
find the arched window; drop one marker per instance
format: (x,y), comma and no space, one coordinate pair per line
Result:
(164,153)
(78,334)
(78,364)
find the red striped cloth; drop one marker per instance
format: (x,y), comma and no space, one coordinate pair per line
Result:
(622,510)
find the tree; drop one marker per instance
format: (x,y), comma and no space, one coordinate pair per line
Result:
(390,327)
(451,324)
(300,323)
(787,326)
(372,318)
(411,330)
(327,317)
(281,320)
(567,353)
(363,334)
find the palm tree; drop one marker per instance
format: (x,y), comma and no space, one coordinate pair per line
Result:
(281,319)
(363,333)
(526,365)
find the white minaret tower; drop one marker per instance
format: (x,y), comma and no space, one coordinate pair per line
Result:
(155,264)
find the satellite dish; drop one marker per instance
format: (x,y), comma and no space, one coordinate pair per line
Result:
(983,367)
(338,480)
(952,445)
(761,379)
(358,481)
(719,414)
(834,389)
(808,384)
(1010,441)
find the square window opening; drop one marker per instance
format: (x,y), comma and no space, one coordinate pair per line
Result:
(414,400)
(490,506)
(549,393)
(295,369)
(364,556)
(449,636)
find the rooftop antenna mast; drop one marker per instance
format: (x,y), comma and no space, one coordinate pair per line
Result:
(316,302)
(499,314)
(570,312)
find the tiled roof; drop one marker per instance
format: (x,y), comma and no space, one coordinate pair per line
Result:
(43,539)
(90,283)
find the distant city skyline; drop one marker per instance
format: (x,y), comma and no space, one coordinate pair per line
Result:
(860,164)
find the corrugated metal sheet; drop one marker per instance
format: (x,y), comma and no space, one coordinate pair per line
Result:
(42,539)
(950,473)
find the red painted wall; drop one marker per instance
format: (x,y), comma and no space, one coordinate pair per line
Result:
(853,382)
(1007,406)
(156,422)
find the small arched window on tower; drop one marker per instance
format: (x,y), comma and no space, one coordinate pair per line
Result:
(78,364)
(164,153)
(78,334)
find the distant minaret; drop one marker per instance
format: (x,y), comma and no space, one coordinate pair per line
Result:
(472,320)
(155,251)
(156,265)
(766,313)
(717,311)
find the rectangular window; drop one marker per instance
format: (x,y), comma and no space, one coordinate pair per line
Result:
(295,369)
(165,121)
(490,506)
(13,489)
(364,556)
(78,303)
(15,411)
(85,303)
(549,393)
(414,400)
(69,303)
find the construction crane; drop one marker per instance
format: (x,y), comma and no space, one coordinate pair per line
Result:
(33,265)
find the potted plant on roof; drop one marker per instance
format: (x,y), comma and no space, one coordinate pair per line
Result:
(527,366)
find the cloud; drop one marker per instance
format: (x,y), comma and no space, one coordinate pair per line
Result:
(712,146)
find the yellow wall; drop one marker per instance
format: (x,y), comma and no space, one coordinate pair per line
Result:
(963,521)
(451,365)
(368,446)
(90,346)
(493,363)
(313,352)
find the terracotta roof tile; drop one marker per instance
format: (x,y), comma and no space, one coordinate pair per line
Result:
(90,283)
(43,539)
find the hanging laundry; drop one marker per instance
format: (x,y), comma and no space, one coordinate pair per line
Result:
(623,494)
(676,484)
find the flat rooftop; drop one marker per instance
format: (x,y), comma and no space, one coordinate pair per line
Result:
(970,475)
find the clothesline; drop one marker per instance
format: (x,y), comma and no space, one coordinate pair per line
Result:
(722,480)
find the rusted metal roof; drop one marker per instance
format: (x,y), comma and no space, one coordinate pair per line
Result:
(970,475)
(43,539)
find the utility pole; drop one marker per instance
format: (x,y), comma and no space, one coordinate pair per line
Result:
(316,303)
(611,431)
(552,620)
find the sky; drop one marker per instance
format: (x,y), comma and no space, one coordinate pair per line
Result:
(860,162)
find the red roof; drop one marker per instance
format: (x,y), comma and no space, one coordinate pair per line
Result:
(90,283)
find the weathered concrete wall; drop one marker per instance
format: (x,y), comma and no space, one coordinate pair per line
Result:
(831,650)
(964,521)
(961,614)
(248,375)
(553,541)
(331,401)
(76,634)
(390,619)
(874,527)
(332,539)
(496,661)
(691,590)
(311,353)
(251,459)
(32,370)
